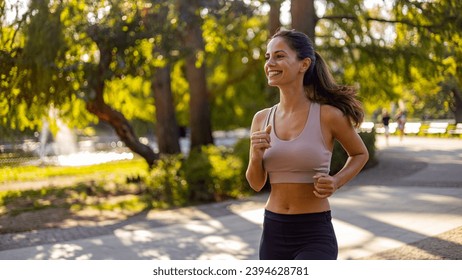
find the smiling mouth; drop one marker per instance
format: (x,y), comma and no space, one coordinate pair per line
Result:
(273,73)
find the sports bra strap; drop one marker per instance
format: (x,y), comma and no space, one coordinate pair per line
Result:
(268,117)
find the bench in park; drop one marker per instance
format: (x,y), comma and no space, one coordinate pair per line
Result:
(391,128)
(366,127)
(456,130)
(412,127)
(437,128)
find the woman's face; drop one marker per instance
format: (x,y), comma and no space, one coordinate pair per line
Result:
(282,65)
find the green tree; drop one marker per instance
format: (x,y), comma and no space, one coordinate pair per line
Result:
(235,79)
(167,129)
(115,38)
(106,57)
(434,28)
(390,48)
(195,70)
(70,53)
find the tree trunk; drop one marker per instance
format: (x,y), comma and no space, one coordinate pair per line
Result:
(167,130)
(458,105)
(274,21)
(200,115)
(304,16)
(123,129)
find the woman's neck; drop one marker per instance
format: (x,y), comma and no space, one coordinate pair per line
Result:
(292,99)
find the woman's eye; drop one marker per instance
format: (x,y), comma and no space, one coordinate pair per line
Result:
(276,56)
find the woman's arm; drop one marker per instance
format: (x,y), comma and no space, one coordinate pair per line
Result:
(259,142)
(337,126)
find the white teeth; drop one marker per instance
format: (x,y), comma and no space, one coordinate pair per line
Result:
(273,73)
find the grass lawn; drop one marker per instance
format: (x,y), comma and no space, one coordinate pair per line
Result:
(96,191)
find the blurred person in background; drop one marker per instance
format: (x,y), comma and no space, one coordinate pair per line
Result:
(386,123)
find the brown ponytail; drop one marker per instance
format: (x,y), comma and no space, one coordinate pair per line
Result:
(327,91)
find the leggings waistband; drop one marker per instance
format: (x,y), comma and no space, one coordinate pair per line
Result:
(304,217)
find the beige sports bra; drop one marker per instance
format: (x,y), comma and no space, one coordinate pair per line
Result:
(299,159)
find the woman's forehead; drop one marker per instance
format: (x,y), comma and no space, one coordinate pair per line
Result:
(276,44)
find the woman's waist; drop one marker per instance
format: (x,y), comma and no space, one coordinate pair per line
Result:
(295,199)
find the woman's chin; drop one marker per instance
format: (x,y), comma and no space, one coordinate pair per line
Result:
(272,83)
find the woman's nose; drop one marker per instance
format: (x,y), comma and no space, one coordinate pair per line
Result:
(270,61)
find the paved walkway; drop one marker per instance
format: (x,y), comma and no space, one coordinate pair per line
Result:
(415,192)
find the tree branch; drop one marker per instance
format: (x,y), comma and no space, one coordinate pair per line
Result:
(429,27)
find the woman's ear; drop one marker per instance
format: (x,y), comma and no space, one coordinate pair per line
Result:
(305,64)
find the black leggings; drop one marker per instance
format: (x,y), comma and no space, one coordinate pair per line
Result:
(298,237)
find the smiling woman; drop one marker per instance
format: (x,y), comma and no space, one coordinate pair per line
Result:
(292,144)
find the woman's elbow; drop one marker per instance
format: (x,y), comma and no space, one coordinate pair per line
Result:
(366,154)
(365,157)
(254,185)
(257,188)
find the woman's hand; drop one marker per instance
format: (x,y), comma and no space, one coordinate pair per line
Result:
(324,185)
(260,141)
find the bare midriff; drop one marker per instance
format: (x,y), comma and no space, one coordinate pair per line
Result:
(290,198)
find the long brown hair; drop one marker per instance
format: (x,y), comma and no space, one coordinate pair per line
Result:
(319,78)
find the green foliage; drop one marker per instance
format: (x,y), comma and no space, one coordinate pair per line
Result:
(207,174)
(180,89)
(241,150)
(400,51)
(37,75)
(166,185)
(226,172)
(128,95)
(198,173)
(213,174)
(236,80)
(339,156)
(432,89)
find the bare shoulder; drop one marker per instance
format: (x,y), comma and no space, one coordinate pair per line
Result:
(341,129)
(331,114)
(336,122)
(259,119)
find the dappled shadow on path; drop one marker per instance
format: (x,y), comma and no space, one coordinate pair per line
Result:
(445,246)
(204,232)
(414,193)
(381,218)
